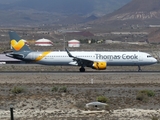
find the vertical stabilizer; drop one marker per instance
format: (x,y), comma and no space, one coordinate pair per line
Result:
(17,44)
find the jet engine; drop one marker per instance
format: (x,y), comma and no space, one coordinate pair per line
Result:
(99,65)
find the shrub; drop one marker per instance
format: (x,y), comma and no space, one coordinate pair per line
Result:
(149,93)
(144,95)
(55,89)
(102,99)
(17,90)
(63,89)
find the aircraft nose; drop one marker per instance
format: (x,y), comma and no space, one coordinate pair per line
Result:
(155,60)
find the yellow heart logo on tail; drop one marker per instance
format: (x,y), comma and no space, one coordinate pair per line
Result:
(17,45)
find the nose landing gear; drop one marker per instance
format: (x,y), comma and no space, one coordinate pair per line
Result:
(139,69)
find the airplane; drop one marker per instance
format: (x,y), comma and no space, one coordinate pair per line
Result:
(98,60)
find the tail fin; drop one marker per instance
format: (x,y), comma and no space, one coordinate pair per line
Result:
(17,44)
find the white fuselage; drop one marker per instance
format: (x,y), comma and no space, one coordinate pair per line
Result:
(111,58)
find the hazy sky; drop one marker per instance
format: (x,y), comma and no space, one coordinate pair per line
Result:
(66,6)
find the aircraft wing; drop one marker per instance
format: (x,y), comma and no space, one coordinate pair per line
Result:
(81,61)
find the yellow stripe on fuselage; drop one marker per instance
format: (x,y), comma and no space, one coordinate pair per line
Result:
(41,56)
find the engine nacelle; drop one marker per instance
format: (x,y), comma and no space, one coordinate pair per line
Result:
(99,65)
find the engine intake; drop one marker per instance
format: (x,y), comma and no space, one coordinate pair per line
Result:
(99,65)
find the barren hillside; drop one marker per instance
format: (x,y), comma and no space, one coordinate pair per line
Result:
(136,12)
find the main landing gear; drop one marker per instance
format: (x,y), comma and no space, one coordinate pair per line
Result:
(139,69)
(82,69)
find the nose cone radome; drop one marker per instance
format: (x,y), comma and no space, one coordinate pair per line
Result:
(154,60)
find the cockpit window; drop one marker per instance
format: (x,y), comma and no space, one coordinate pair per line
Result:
(149,56)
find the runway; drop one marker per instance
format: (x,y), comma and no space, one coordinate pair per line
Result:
(79,73)
(65,70)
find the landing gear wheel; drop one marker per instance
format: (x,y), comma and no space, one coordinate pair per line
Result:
(82,69)
(139,69)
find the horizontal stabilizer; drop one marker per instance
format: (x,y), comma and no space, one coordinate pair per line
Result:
(13,55)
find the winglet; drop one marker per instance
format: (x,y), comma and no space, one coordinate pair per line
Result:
(69,54)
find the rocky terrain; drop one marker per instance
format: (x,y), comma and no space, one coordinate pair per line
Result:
(135,11)
(39,100)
